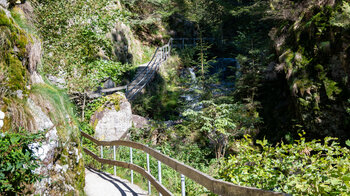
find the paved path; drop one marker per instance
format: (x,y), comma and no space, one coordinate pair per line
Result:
(103,184)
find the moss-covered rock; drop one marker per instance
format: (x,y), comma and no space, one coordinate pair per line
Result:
(38,107)
(112,118)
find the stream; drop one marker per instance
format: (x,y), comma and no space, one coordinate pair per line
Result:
(222,68)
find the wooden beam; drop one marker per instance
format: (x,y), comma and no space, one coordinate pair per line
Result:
(110,90)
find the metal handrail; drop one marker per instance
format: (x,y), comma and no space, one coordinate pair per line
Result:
(133,167)
(143,70)
(145,83)
(143,78)
(149,78)
(216,186)
(148,73)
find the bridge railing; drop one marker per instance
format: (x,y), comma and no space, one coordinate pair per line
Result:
(215,186)
(160,55)
(192,42)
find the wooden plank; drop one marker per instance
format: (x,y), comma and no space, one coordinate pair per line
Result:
(109,90)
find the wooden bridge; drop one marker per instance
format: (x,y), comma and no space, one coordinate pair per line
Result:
(145,73)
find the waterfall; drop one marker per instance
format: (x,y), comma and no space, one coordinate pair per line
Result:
(193,75)
(191,96)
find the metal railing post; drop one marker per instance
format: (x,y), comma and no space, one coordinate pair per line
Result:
(132,171)
(101,149)
(160,174)
(149,171)
(170,45)
(114,157)
(183,188)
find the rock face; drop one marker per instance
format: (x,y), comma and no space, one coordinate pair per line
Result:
(35,106)
(112,121)
(4,3)
(126,48)
(139,121)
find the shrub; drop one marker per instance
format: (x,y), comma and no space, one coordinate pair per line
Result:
(301,168)
(17,161)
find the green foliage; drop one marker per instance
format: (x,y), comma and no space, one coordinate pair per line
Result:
(75,35)
(61,111)
(17,161)
(331,88)
(342,16)
(300,168)
(103,69)
(161,101)
(14,74)
(188,56)
(220,123)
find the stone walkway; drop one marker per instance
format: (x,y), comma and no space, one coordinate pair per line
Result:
(99,183)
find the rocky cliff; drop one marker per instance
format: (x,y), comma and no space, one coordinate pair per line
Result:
(27,102)
(313,49)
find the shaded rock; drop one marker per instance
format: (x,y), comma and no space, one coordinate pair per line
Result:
(34,51)
(126,48)
(139,121)
(109,84)
(35,78)
(57,81)
(112,121)
(4,3)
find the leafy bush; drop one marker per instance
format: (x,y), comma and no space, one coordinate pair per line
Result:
(103,69)
(220,123)
(17,161)
(301,168)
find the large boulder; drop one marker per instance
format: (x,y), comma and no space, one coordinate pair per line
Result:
(113,119)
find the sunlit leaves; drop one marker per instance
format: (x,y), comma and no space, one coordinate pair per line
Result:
(17,162)
(300,168)
(220,122)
